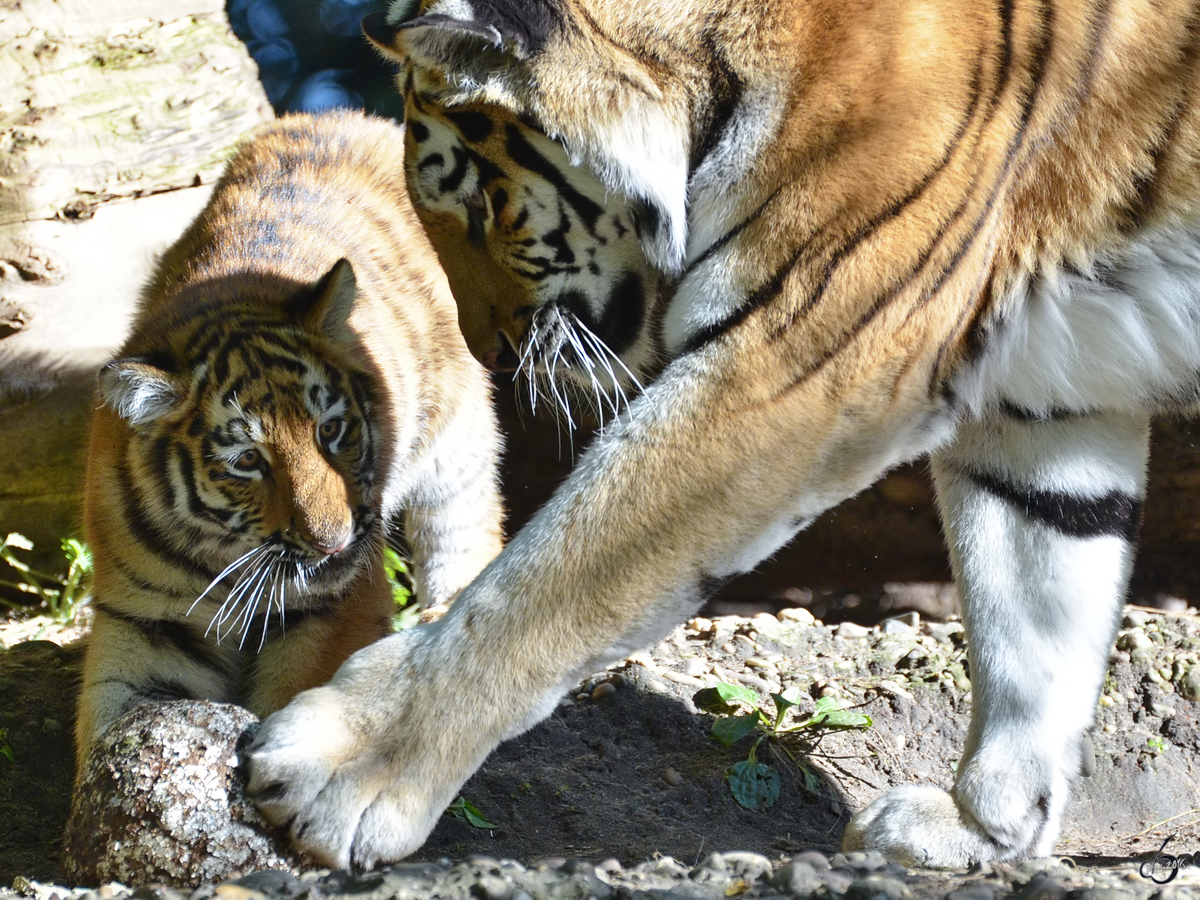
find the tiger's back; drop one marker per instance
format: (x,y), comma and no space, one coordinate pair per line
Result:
(294,382)
(859,232)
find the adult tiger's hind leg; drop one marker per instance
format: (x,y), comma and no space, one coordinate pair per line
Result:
(1040,515)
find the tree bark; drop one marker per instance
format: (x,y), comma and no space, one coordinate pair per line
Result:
(115,118)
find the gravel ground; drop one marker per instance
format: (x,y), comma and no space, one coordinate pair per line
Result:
(811,874)
(623,793)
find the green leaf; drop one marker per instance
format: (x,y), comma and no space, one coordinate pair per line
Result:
(731,693)
(393,562)
(466,811)
(709,700)
(78,555)
(829,714)
(730,731)
(785,701)
(812,781)
(754,785)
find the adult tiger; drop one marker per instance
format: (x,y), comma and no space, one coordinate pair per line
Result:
(892,228)
(293,383)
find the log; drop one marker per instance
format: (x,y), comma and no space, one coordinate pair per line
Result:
(116,118)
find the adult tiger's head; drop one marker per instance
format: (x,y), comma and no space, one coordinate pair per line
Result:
(557,244)
(250,436)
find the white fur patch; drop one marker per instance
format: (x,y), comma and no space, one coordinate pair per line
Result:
(709,294)
(1121,335)
(643,155)
(402,11)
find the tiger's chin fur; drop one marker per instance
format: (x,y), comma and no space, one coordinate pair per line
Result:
(293,389)
(854,233)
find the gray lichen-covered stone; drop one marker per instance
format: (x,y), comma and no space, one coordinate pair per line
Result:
(161,801)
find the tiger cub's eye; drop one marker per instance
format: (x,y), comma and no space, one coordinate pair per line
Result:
(331,429)
(249,459)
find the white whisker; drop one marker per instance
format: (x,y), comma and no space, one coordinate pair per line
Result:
(229,568)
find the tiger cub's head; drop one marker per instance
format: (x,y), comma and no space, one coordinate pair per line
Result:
(251,438)
(552,270)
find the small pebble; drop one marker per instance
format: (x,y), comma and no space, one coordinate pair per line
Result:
(700,625)
(748,866)
(851,630)
(799,615)
(977,891)
(798,878)
(604,689)
(671,777)
(1135,618)
(873,887)
(1189,685)
(815,858)
(695,667)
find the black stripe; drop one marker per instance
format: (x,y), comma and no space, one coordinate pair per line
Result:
(1100,24)
(524,154)
(197,507)
(1114,514)
(1145,185)
(451,181)
(731,234)
(145,532)
(136,579)
(974,312)
(725,89)
(1038,69)
(161,633)
(1013,410)
(774,285)
(472,125)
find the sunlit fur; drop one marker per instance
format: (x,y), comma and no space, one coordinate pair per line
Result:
(871,229)
(294,382)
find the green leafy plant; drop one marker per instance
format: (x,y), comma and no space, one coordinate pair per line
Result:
(466,811)
(1156,745)
(60,595)
(754,784)
(399,576)
(6,750)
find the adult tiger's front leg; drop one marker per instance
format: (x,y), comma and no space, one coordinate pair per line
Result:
(1040,515)
(711,470)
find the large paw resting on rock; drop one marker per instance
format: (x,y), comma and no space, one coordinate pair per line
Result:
(161,800)
(359,770)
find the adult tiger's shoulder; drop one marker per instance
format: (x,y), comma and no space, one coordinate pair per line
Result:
(294,382)
(857,231)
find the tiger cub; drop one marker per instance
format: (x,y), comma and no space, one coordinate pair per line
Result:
(295,380)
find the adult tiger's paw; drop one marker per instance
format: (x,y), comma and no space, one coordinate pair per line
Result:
(358,771)
(917,825)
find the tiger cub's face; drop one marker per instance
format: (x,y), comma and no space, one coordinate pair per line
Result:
(544,263)
(256,430)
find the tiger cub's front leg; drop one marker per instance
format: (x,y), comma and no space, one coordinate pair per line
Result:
(1040,515)
(309,648)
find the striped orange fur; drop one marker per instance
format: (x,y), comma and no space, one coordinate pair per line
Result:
(294,384)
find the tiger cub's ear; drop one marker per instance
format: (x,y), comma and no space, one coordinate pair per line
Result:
(325,306)
(137,389)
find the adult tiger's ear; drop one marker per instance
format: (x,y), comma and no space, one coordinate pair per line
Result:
(324,307)
(519,28)
(139,389)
